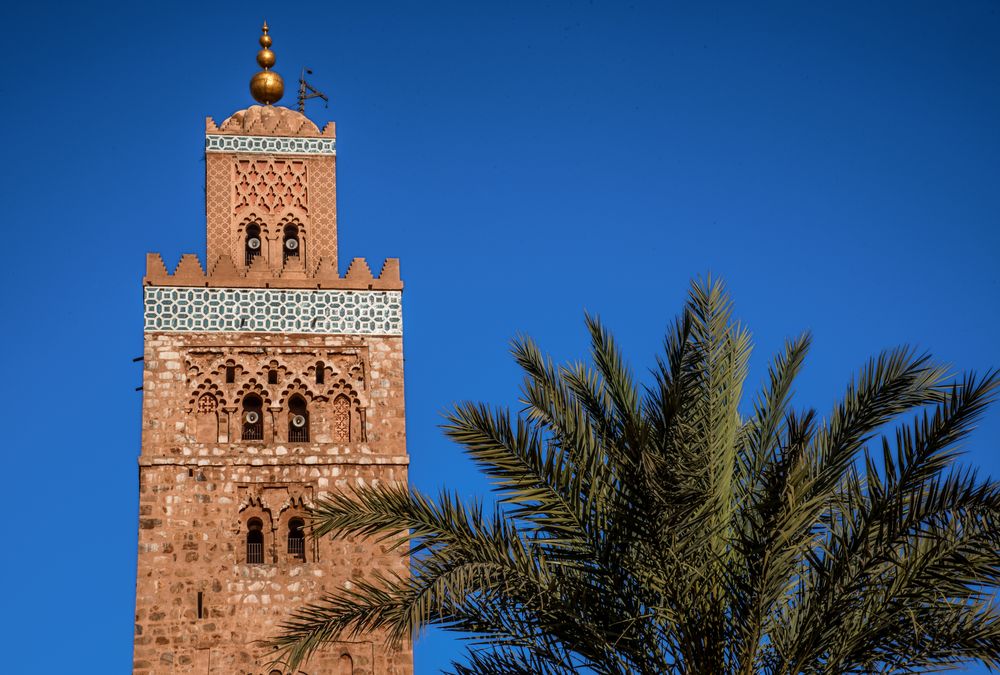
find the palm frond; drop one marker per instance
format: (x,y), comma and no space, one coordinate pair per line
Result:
(648,527)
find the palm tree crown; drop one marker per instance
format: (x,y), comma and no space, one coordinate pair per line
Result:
(665,529)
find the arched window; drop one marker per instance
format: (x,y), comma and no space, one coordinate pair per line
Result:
(253,243)
(253,418)
(255,542)
(207,423)
(320,372)
(346,665)
(298,420)
(297,538)
(291,243)
(341,419)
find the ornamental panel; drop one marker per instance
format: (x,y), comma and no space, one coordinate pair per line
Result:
(270,310)
(271,145)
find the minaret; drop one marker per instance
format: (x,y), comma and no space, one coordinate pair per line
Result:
(269,380)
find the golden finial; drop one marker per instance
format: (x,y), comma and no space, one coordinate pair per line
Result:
(266,86)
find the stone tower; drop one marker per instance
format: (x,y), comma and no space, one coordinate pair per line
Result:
(269,380)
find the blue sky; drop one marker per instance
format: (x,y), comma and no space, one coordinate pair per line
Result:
(836,163)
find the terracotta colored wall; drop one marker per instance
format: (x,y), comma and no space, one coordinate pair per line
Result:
(273,192)
(196,494)
(202,480)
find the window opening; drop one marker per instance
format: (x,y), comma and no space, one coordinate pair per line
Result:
(298,420)
(320,372)
(291,242)
(253,418)
(272,377)
(200,614)
(230,374)
(252,243)
(255,541)
(297,538)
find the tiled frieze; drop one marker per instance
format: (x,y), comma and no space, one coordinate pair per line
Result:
(243,310)
(272,145)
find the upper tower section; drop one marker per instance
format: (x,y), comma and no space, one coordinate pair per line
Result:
(270,185)
(270,202)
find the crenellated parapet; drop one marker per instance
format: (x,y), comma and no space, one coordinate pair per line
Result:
(223,273)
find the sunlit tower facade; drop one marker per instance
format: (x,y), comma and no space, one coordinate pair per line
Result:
(269,381)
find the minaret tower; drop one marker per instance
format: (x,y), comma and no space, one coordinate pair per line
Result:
(269,380)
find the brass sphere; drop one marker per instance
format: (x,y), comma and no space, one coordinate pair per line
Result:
(265,41)
(265,58)
(267,87)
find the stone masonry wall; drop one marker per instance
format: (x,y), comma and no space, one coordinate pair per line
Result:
(202,486)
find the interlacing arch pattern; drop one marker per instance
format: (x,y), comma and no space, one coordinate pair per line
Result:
(332,409)
(253,387)
(297,386)
(247,221)
(270,185)
(294,218)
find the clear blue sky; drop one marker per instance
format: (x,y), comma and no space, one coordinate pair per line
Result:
(837,163)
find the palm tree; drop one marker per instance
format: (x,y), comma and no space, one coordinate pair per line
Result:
(667,529)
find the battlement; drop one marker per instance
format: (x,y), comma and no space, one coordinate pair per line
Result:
(224,274)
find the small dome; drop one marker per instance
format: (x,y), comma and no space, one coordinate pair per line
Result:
(270,120)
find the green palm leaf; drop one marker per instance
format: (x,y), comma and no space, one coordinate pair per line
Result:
(659,527)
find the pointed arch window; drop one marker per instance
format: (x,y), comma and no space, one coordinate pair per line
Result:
(298,420)
(297,538)
(341,419)
(292,243)
(252,245)
(253,418)
(255,541)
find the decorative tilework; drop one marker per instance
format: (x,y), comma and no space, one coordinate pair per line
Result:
(257,310)
(274,145)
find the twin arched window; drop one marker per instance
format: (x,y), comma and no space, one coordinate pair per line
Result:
(253,246)
(255,540)
(253,419)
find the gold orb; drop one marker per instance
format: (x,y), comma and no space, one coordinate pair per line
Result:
(265,58)
(267,87)
(265,41)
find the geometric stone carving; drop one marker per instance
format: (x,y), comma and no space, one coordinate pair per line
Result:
(271,310)
(270,145)
(270,185)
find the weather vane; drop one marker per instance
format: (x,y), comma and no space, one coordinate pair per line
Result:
(306,92)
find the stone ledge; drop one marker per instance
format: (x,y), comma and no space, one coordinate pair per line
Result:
(318,460)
